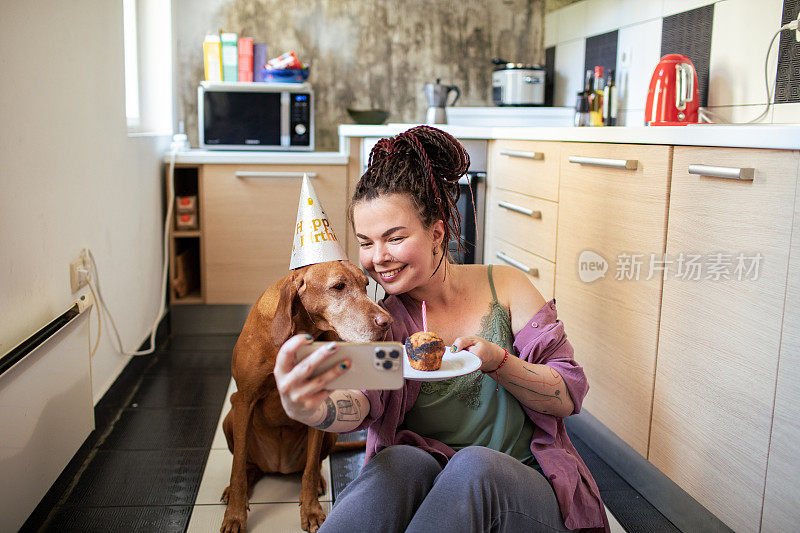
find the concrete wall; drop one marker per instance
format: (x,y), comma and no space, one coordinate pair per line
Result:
(366,53)
(71,177)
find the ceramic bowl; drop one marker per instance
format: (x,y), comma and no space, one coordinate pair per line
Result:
(368,116)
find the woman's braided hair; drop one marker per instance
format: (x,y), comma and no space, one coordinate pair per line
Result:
(424,162)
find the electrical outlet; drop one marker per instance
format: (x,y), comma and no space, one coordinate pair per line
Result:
(78,278)
(626,57)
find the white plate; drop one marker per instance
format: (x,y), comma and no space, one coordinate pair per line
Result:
(453,364)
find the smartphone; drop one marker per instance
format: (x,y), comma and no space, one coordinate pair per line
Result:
(373,365)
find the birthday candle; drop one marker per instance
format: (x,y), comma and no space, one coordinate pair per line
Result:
(424,317)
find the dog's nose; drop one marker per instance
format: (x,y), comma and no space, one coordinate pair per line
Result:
(383,321)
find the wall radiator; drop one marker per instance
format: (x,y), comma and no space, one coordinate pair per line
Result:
(46,410)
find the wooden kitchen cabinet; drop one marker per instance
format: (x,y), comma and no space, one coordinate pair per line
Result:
(781,512)
(248,213)
(719,340)
(613,323)
(527,222)
(539,270)
(521,209)
(525,167)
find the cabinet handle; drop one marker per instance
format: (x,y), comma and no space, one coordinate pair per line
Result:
(516,264)
(723,172)
(539,156)
(255,174)
(629,164)
(519,209)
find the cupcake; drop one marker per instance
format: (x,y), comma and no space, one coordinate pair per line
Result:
(425,350)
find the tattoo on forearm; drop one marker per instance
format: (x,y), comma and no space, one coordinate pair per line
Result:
(526,377)
(330,415)
(555,396)
(348,408)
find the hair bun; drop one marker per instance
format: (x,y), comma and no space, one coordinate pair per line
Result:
(447,157)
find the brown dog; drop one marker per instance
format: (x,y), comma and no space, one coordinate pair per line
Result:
(327,300)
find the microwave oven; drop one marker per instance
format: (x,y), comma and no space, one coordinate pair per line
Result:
(255,116)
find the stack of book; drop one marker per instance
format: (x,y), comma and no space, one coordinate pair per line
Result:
(228,57)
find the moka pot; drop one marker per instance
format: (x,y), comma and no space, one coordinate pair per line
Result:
(437,95)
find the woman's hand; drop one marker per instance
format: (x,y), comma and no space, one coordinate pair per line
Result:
(490,354)
(302,395)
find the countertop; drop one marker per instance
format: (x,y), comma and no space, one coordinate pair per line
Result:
(778,136)
(258,157)
(783,136)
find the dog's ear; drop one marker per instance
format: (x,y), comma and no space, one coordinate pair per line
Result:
(282,323)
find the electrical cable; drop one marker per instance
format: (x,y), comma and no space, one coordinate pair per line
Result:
(99,323)
(766,77)
(708,116)
(164,271)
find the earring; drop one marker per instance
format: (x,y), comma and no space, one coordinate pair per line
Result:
(435,251)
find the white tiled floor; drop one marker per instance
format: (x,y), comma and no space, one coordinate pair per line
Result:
(274,502)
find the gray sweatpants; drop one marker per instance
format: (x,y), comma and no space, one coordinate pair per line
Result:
(404,488)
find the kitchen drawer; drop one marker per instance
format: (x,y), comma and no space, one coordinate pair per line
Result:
(605,215)
(719,339)
(539,270)
(525,167)
(248,218)
(529,223)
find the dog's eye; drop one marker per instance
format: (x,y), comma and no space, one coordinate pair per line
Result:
(338,287)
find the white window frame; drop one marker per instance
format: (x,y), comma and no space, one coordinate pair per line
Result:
(147,26)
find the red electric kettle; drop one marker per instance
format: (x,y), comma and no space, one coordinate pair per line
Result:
(673,98)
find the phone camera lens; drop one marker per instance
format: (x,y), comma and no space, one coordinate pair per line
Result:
(387,365)
(394,354)
(380,354)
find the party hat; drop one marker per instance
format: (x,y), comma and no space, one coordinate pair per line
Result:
(314,239)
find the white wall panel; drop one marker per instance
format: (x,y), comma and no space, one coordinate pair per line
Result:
(638,52)
(572,22)
(551,28)
(569,72)
(603,16)
(739,41)
(786,114)
(738,114)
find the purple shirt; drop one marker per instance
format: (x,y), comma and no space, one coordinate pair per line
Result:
(541,341)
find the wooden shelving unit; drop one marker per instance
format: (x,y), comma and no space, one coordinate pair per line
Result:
(186,246)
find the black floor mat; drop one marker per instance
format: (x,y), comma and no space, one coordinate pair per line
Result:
(129,519)
(345,467)
(203,343)
(156,429)
(630,509)
(182,390)
(194,362)
(140,477)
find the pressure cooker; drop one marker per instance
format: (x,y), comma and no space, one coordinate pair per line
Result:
(517,84)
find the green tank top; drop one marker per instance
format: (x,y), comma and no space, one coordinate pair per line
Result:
(471,410)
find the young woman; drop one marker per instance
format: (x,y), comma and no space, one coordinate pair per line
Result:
(482,452)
